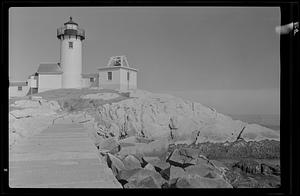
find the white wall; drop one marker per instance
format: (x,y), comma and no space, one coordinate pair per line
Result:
(71,62)
(109,84)
(124,83)
(13,91)
(119,80)
(85,82)
(133,80)
(32,82)
(48,82)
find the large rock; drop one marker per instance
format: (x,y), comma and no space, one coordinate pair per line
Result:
(165,173)
(152,160)
(183,183)
(176,172)
(157,148)
(129,141)
(156,115)
(132,129)
(195,181)
(138,177)
(130,162)
(130,185)
(202,170)
(147,182)
(149,167)
(157,163)
(110,145)
(114,163)
(178,158)
(126,174)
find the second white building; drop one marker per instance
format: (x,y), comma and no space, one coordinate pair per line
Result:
(118,75)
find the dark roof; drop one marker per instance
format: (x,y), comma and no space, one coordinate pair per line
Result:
(71,22)
(89,75)
(116,68)
(17,83)
(34,74)
(49,68)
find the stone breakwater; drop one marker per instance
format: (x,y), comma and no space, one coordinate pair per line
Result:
(137,136)
(140,164)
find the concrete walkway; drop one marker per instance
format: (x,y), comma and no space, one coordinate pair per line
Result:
(62,156)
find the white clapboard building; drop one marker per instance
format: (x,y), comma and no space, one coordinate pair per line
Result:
(118,75)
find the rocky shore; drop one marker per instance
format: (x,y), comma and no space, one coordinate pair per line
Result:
(159,141)
(137,164)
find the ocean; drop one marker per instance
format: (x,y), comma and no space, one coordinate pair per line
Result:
(271,121)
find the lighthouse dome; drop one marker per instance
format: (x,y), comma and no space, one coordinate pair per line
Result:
(71,22)
(70,28)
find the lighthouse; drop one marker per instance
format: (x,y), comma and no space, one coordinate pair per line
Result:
(71,37)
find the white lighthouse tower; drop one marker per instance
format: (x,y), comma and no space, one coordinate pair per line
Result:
(71,37)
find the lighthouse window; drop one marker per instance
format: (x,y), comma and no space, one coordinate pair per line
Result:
(92,80)
(70,44)
(109,75)
(19,88)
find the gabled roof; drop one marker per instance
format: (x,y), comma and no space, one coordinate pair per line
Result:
(49,68)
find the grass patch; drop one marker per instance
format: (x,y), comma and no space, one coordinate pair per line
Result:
(70,99)
(72,93)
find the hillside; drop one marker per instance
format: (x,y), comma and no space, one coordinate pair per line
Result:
(144,124)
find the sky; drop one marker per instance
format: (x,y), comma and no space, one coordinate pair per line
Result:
(227,58)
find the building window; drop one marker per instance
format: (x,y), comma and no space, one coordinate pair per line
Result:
(128,76)
(19,88)
(109,75)
(70,44)
(92,79)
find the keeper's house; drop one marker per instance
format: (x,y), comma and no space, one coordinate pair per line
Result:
(18,88)
(23,88)
(118,75)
